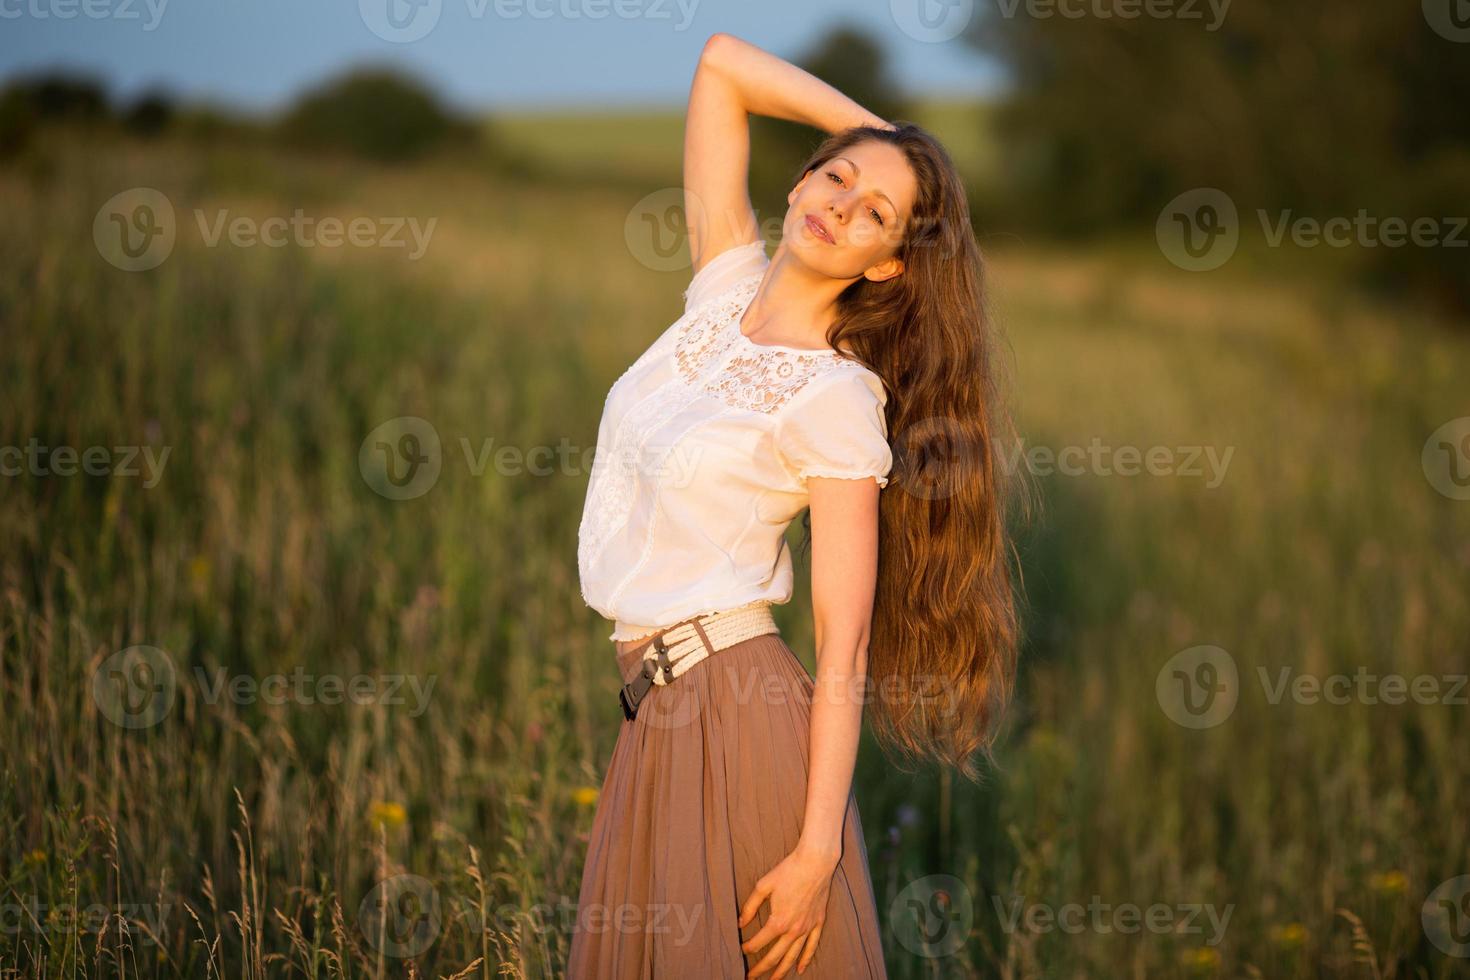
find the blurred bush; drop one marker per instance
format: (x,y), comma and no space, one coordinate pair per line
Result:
(376,113)
(150,114)
(1319,108)
(29,101)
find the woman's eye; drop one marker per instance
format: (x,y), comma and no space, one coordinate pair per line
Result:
(876,216)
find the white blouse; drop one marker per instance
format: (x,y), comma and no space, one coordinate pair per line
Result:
(703,454)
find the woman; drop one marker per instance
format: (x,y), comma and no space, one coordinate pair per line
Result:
(727,840)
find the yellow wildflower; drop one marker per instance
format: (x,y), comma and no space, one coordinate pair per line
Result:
(1290,936)
(389,815)
(584,795)
(1203,961)
(199,570)
(1388,882)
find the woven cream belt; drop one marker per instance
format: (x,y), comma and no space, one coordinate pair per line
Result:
(672,652)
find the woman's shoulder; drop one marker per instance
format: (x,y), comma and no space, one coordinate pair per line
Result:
(844,382)
(725,270)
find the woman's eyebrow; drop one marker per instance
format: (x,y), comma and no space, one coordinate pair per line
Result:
(859,171)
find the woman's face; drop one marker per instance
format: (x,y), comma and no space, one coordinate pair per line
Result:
(847,217)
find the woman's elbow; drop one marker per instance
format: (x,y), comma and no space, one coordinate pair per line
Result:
(716,46)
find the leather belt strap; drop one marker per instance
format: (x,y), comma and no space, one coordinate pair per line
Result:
(672,651)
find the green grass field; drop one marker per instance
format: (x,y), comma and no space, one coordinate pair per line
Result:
(245,836)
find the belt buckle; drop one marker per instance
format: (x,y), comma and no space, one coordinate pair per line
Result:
(631,695)
(630,707)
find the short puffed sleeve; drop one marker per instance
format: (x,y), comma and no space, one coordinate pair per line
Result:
(724,270)
(836,427)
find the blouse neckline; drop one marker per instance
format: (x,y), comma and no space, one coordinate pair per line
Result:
(740,317)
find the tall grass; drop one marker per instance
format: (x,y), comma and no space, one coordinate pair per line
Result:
(251,839)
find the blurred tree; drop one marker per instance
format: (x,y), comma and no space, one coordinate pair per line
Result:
(374,112)
(31,101)
(150,114)
(1321,108)
(17,121)
(63,95)
(852,62)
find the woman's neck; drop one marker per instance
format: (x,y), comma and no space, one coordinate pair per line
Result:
(793,306)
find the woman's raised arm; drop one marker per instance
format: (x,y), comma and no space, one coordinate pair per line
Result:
(734,79)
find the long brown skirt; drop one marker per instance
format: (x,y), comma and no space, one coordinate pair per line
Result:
(706,792)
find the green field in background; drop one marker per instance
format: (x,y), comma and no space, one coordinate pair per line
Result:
(1322,549)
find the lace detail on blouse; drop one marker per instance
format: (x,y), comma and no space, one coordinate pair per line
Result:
(758,377)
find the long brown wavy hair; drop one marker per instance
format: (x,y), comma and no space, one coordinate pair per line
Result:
(946,624)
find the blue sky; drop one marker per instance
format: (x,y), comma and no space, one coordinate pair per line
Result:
(485,54)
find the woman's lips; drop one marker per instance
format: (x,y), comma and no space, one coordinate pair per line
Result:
(819,229)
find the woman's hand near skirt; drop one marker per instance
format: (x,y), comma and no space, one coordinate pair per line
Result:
(798,888)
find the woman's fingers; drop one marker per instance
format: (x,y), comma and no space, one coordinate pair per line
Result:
(784,943)
(784,967)
(809,948)
(753,903)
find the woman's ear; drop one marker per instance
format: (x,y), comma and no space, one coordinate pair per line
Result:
(885,270)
